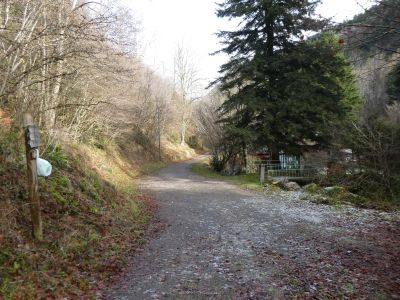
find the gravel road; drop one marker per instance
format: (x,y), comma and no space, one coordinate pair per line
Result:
(223,242)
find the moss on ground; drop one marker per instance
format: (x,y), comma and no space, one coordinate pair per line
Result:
(339,195)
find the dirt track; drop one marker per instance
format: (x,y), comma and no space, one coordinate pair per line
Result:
(222,242)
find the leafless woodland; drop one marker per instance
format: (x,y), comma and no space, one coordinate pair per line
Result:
(76,67)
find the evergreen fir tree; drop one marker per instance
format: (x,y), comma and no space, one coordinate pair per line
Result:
(286,93)
(394,85)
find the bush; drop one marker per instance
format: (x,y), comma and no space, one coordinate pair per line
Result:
(376,144)
(335,191)
(142,138)
(312,188)
(61,190)
(11,146)
(102,142)
(395,184)
(57,157)
(337,195)
(216,163)
(194,142)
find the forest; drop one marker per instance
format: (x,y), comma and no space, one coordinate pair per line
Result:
(323,95)
(274,98)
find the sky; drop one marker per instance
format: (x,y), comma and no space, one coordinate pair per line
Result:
(193,23)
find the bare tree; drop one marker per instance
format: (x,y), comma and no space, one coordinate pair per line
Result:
(207,126)
(372,41)
(186,81)
(377,144)
(53,53)
(73,65)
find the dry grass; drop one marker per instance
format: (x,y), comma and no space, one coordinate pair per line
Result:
(4,118)
(89,223)
(92,214)
(175,151)
(108,164)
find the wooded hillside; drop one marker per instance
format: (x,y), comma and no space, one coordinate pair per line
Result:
(309,100)
(105,118)
(74,65)
(371,42)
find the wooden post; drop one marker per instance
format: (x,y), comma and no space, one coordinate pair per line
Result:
(262,173)
(159,132)
(31,145)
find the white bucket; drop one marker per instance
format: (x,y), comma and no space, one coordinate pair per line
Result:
(44,168)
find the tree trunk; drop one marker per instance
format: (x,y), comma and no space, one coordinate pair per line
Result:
(183,133)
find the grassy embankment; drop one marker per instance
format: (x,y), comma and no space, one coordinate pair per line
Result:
(318,193)
(92,214)
(247,181)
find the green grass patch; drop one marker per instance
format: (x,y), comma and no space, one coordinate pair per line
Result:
(339,195)
(60,189)
(248,181)
(57,157)
(312,188)
(149,168)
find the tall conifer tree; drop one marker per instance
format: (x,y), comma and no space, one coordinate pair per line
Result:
(282,91)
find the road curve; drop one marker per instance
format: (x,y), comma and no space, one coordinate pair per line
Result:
(223,242)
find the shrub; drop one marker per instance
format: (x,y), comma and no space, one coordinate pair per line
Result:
(216,163)
(102,142)
(57,157)
(60,189)
(395,184)
(335,191)
(312,188)
(11,146)
(141,138)
(376,144)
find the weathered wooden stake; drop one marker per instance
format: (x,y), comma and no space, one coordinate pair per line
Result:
(262,173)
(159,133)
(31,145)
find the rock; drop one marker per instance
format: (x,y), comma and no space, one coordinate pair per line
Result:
(293,186)
(290,186)
(305,197)
(329,188)
(287,185)
(280,183)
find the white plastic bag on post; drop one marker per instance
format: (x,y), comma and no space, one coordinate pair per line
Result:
(44,168)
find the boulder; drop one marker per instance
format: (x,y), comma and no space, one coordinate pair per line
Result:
(292,186)
(289,185)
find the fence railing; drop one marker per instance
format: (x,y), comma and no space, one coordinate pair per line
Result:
(288,170)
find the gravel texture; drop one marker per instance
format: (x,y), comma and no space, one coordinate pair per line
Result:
(223,242)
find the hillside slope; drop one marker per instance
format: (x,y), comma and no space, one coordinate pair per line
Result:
(92,214)
(371,42)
